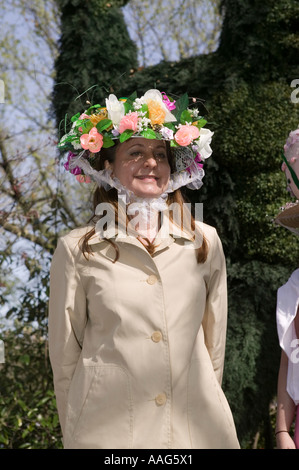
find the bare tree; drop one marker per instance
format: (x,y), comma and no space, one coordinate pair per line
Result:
(173,30)
(37,199)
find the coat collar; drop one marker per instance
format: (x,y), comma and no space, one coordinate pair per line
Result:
(167,234)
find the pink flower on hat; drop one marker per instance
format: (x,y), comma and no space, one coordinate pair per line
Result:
(93,141)
(169,104)
(84,116)
(186,134)
(128,122)
(83,179)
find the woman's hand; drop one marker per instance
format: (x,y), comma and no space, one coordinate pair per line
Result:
(284,441)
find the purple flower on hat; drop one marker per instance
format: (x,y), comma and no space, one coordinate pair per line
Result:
(198,161)
(76,170)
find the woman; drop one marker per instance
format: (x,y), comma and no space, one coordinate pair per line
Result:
(288,313)
(138,314)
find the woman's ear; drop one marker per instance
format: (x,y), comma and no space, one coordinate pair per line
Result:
(108,165)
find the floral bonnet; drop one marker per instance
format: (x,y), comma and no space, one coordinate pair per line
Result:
(153,116)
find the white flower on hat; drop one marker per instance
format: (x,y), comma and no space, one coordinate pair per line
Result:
(203,143)
(166,133)
(115,108)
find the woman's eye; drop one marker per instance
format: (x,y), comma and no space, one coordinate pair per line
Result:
(161,156)
(136,154)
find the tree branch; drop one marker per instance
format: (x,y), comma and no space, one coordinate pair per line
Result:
(23,233)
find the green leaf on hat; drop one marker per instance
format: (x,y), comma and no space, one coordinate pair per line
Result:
(126,135)
(75,117)
(132,98)
(66,143)
(107,142)
(65,146)
(103,124)
(144,109)
(186,117)
(128,104)
(169,125)
(181,105)
(93,107)
(149,134)
(128,107)
(200,123)
(86,126)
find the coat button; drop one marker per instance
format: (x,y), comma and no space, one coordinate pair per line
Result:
(152,279)
(156,336)
(161,399)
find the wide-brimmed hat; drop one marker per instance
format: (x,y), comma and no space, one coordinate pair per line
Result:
(289,217)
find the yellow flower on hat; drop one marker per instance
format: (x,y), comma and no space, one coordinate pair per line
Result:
(95,118)
(156,112)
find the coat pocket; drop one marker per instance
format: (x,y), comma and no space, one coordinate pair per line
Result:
(104,419)
(210,420)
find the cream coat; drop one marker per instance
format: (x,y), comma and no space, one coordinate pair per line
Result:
(137,346)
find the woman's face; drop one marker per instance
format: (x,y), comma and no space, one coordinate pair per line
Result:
(142,166)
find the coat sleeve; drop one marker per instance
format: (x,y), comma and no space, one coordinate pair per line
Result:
(67,319)
(215,316)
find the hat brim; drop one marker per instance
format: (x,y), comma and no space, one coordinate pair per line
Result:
(289,218)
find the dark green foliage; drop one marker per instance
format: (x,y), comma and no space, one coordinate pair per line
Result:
(28,418)
(260,38)
(251,126)
(96,54)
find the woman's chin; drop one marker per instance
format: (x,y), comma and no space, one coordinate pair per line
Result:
(147,192)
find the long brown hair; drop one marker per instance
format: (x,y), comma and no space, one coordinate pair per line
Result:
(111,197)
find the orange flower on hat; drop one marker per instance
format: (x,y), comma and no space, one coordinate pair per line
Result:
(156,112)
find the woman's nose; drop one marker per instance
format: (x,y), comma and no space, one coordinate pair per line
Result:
(150,162)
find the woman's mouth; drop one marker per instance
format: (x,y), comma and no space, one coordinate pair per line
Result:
(147,177)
